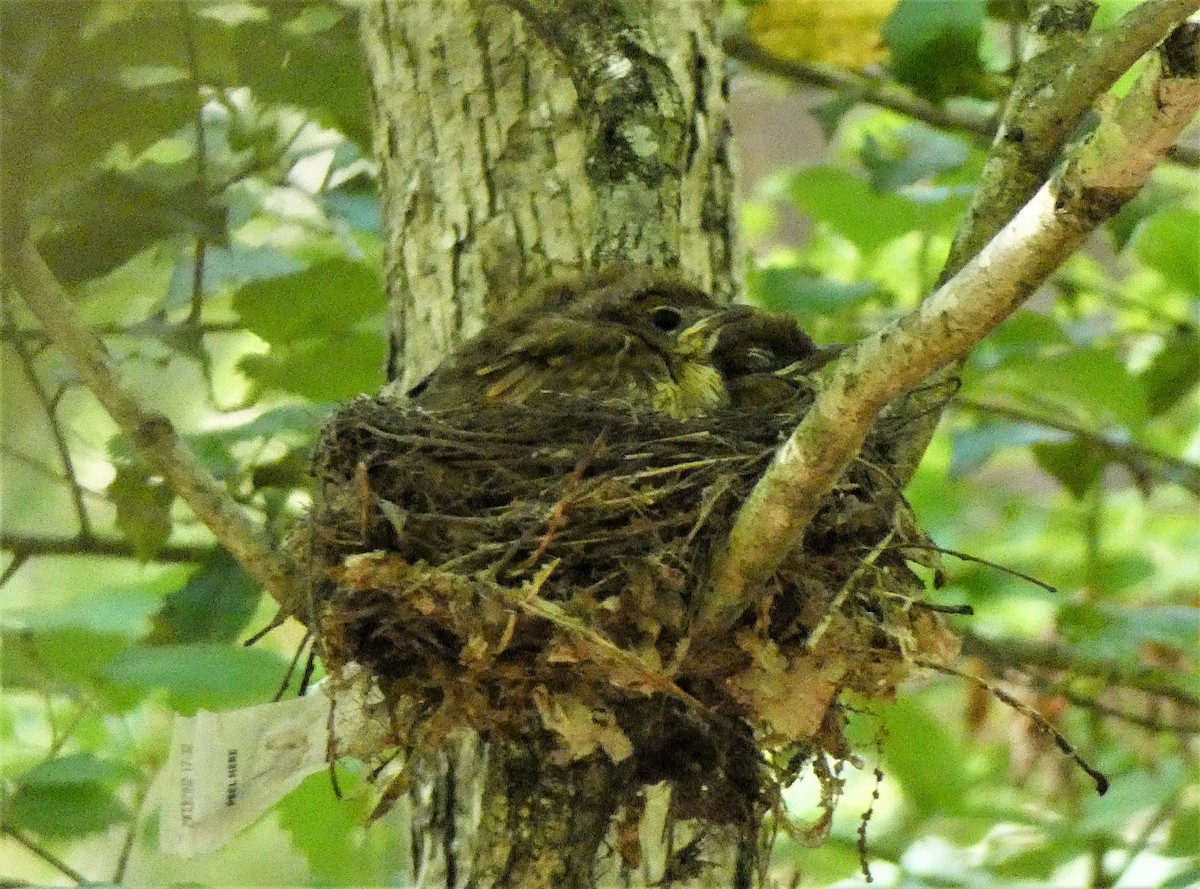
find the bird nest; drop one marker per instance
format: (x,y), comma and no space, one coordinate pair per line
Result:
(514,569)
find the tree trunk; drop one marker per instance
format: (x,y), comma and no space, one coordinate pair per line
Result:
(518,140)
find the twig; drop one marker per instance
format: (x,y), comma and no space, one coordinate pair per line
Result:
(1103,174)
(967,557)
(31,545)
(1060,740)
(47,856)
(875,91)
(151,432)
(50,408)
(1143,462)
(1023,654)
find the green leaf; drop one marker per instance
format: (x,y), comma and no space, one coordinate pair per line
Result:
(1167,243)
(214,606)
(110,217)
(935,46)
(78,768)
(201,676)
(974,446)
(329,831)
(64,811)
(333,296)
(791,290)
(143,504)
(336,367)
(313,61)
(852,208)
(909,154)
(121,611)
(1075,464)
(1089,384)
(1174,372)
(1129,797)
(922,755)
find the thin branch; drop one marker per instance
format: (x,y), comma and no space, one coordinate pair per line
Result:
(1103,174)
(150,328)
(1143,462)
(27,546)
(46,855)
(49,407)
(872,90)
(1023,654)
(151,432)
(1150,723)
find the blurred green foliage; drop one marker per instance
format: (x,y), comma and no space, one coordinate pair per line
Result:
(198,174)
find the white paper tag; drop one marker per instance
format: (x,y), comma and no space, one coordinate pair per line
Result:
(226,769)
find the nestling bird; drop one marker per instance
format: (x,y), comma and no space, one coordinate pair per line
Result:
(636,334)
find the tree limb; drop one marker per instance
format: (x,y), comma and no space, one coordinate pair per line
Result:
(1100,177)
(1142,462)
(1053,90)
(151,432)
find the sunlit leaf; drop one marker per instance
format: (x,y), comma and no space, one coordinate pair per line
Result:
(790,290)
(338,366)
(851,207)
(329,831)
(331,296)
(1167,243)
(923,756)
(831,31)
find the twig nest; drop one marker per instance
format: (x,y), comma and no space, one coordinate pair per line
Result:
(509,569)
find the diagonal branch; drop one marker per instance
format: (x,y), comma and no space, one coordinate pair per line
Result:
(1101,176)
(151,432)
(1142,462)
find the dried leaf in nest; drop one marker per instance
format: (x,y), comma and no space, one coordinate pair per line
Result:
(498,567)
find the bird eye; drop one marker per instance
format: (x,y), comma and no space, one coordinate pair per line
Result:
(666,318)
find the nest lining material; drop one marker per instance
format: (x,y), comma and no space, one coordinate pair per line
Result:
(505,568)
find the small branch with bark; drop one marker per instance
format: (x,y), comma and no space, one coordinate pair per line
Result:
(1100,176)
(151,432)
(1142,462)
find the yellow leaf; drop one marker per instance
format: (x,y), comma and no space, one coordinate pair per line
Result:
(838,32)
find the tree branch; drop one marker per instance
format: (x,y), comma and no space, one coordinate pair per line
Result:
(32,545)
(1141,461)
(151,432)
(872,90)
(46,855)
(1023,654)
(1102,175)
(49,406)
(1052,91)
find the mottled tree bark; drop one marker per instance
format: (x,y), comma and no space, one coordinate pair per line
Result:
(520,139)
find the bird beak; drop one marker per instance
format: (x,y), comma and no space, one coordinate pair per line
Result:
(814,362)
